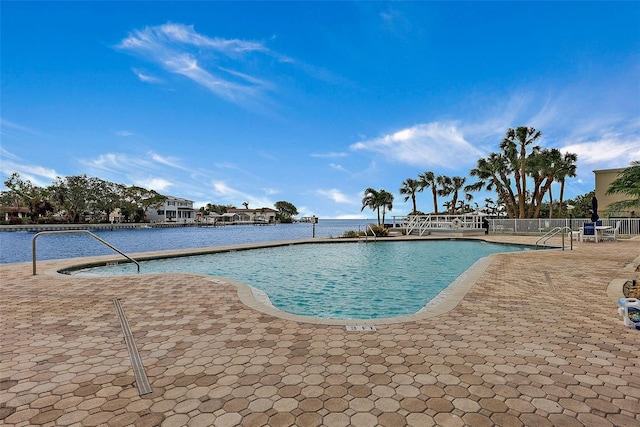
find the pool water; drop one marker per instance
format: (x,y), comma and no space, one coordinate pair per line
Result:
(336,280)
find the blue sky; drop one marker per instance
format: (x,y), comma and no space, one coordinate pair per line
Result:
(311,102)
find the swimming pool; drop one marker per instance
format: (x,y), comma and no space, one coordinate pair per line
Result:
(336,280)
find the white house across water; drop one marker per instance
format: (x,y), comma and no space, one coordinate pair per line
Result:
(174,209)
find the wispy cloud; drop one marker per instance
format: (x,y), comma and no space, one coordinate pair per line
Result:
(167,161)
(36,174)
(180,49)
(9,128)
(152,170)
(330,155)
(236,197)
(124,133)
(144,77)
(337,167)
(426,145)
(609,150)
(336,196)
(154,183)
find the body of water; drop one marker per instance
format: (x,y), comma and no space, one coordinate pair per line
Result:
(336,280)
(16,246)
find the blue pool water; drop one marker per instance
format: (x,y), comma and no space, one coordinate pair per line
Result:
(336,280)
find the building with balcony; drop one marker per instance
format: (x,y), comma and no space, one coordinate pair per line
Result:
(174,209)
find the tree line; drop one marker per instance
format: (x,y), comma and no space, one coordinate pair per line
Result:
(507,172)
(78,198)
(286,210)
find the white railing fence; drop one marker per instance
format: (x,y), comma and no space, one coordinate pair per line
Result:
(628,226)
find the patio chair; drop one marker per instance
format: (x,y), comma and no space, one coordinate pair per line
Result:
(612,234)
(588,232)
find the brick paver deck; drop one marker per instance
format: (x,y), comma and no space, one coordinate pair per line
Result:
(535,342)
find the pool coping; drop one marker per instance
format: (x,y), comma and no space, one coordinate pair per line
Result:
(444,302)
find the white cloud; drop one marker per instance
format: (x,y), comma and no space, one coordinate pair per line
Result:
(271,191)
(425,145)
(152,171)
(222,189)
(329,155)
(611,151)
(335,195)
(158,184)
(167,161)
(179,49)
(124,133)
(144,77)
(351,216)
(6,124)
(27,172)
(337,167)
(236,197)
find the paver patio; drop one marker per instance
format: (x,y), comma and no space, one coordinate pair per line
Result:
(535,342)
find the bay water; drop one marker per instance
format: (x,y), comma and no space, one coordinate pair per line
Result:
(16,246)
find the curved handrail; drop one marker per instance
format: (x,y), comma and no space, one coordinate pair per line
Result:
(33,245)
(549,234)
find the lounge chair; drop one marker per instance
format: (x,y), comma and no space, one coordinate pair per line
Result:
(612,234)
(588,232)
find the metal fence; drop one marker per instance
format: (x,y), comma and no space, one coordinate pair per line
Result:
(628,226)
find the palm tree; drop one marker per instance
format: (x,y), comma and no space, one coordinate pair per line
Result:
(628,184)
(246,205)
(457,182)
(545,164)
(371,200)
(376,199)
(428,179)
(386,202)
(446,186)
(567,169)
(410,187)
(493,173)
(514,145)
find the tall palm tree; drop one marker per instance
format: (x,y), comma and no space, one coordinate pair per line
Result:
(445,186)
(429,180)
(566,170)
(493,173)
(457,182)
(515,145)
(371,200)
(386,203)
(410,187)
(546,163)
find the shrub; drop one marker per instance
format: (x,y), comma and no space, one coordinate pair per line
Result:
(350,233)
(378,231)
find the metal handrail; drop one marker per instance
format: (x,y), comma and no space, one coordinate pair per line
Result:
(33,245)
(549,234)
(373,233)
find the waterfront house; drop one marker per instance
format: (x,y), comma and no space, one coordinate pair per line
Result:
(16,213)
(259,215)
(174,209)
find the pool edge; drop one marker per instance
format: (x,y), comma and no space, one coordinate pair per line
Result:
(446,301)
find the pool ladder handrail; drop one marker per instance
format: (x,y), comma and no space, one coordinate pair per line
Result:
(551,233)
(33,245)
(373,233)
